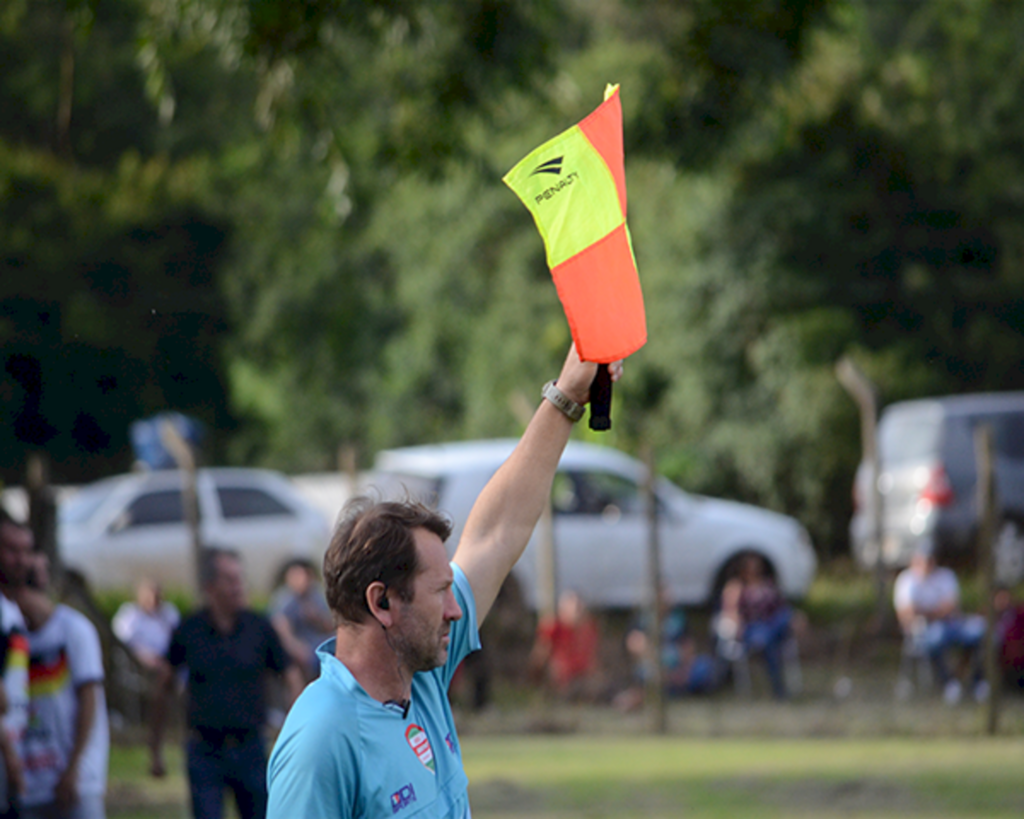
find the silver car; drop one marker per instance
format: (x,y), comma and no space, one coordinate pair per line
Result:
(119,530)
(600,527)
(927,480)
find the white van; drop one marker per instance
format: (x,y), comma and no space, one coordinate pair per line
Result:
(928,479)
(600,528)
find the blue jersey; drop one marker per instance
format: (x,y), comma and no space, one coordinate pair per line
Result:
(342,754)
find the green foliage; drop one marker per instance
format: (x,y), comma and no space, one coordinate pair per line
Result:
(286,218)
(108,310)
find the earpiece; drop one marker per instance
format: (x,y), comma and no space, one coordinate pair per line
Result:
(384,603)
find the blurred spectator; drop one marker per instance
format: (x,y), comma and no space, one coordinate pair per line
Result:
(686,670)
(1009,636)
(66,743)
(755,613)
(15,553)
(227,649)
(927,601)
(565,650)
(301,616)
(146,625)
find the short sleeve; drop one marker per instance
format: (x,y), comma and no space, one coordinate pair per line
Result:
(123,622)
(465,637)
(15,671)
(85,656)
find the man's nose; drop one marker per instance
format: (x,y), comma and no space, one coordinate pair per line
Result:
(453,609)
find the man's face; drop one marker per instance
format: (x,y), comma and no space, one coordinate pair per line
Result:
(227,590)
(420,632)
(298,580)
(922,564)
(15,554)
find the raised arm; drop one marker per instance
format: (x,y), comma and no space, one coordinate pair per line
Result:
(505,514)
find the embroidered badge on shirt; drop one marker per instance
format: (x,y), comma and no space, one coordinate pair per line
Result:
(420,744)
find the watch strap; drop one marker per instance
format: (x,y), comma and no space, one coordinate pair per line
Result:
(570,408)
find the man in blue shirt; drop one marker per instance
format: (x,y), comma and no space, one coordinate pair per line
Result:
(374,735)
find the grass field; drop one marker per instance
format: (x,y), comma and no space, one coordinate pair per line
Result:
(543,777)
(588,776)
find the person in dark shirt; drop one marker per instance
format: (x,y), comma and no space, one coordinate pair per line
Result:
(227,649)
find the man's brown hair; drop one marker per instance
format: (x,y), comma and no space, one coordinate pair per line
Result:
(374,541)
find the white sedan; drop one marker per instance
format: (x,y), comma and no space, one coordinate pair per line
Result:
(600,528)
(119,530)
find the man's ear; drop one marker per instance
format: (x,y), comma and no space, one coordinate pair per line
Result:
(379,603)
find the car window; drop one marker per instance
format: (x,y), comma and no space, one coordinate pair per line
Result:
(154,508)
(958,449)
(1009,435)
(83,504)
(246,502)
(594,493)
(908,437)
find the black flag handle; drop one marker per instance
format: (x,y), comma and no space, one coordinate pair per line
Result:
(601,400)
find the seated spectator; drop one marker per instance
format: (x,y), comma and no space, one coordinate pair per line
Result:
(686,671)
(754,610)
(1009,636)
(927,601)
(565,650)
(301,617)
(146,625)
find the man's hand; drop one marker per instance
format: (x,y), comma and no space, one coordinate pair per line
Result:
(66,790)
(577,376)
(12,765)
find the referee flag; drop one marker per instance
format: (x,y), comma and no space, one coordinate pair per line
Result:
(575,187)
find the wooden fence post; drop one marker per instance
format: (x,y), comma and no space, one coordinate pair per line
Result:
(656,682)
(186,461)
(987,525)
(865,394)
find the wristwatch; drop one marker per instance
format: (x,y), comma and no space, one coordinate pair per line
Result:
(572,410)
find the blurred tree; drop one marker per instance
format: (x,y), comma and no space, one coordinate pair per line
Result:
(109,307)
(871,207)
(288,216)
